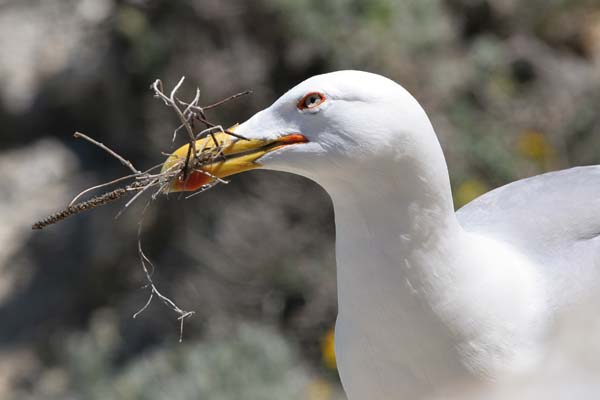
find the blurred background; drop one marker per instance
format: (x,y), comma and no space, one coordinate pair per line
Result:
(512,88)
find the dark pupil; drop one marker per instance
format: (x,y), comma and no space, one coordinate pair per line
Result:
(312,100)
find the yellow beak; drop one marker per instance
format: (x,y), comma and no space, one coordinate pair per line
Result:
(221,155)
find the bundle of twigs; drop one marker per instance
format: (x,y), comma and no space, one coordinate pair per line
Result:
(190,115)
(138,182)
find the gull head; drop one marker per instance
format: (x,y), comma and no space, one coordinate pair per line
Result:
(326,128)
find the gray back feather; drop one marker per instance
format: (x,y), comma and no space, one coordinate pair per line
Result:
(552,218)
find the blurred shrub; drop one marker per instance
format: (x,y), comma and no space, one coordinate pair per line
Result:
(249,362)
(511,86)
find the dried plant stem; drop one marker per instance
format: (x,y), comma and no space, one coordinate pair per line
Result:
(80,207)
(145,261)
(211,125)
(123,161)
(121,179)
(197,113)
(225,100)
(193,161)
(142,182)
(172,102)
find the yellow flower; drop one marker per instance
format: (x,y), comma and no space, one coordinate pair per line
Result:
(534,146)
(328,350)
(469,190)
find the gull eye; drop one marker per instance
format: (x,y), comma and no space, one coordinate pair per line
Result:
(311,100)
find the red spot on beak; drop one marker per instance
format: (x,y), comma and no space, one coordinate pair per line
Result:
(293,138)
(193,181)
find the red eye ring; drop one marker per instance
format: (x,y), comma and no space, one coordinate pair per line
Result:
(311,100)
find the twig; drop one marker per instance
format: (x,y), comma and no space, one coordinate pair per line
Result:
(208,130)
(123,161)
(194,160)
(201,190)
(141,182)
(172,102)
(80,207)
(141,310)
(227,99)
(211,125)
(200,116)
(123,178)
(138,194)
(154,290)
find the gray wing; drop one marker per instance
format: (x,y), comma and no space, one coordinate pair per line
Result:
(553,218)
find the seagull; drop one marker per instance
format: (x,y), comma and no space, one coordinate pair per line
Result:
(430,300)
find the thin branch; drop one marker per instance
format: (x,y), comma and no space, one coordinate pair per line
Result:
(154,290)
(211,125)
(176,131)
(200,116)
(193,103)
(183,119)
(123,178)
(80,207)
(206,131)
(141,182)
(172,102)
(201,190)
(157,86)
(141,176)
(141,310)
(227,99)
(138,194)
(123,161)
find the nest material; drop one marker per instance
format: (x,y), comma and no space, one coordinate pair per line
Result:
(140,182)
(190,115)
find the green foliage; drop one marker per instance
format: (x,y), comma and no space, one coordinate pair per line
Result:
(355,33)
(511,86)
(252,363)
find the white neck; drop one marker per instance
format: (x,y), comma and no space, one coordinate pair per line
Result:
(407,276)
(396,210)
(402,216)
